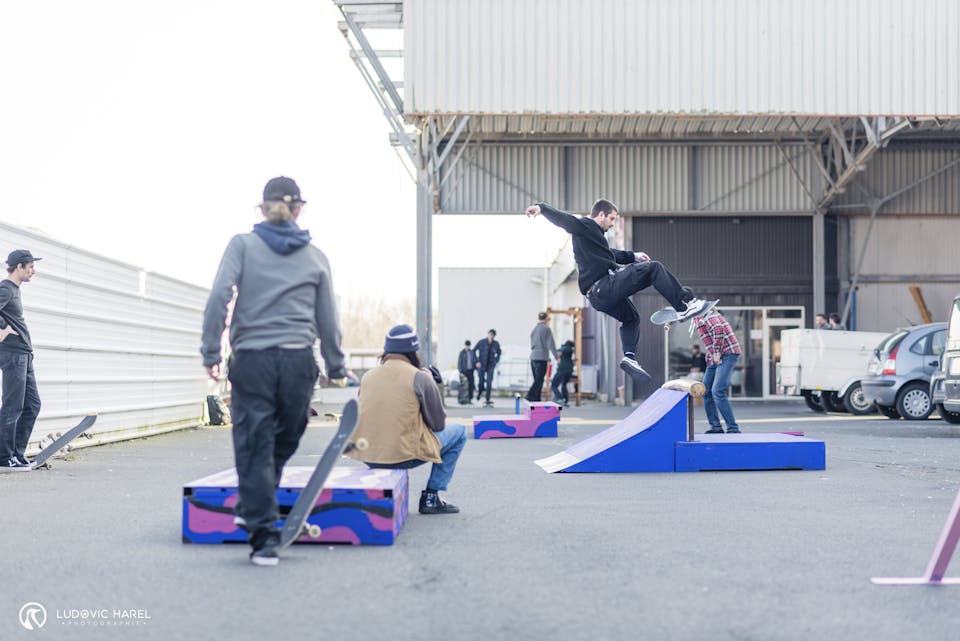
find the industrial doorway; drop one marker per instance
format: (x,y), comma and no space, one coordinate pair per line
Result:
(758,330)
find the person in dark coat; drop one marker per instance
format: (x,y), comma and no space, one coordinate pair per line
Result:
(564,372)
(487,352)
(466,363)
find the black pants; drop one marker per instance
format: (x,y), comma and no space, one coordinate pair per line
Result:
(611,295)
(539,369)
(20,405)
(270,404)
(559,386)
(468,374)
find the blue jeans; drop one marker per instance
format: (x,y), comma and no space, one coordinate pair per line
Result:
(486,381)
(452,439)
(20,403)
(270,405)
(717,380)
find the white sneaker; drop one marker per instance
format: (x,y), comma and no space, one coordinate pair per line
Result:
(695,307)
(632,367)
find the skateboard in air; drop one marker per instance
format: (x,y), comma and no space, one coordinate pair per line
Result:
(295,525)
(668,316)
(62,440)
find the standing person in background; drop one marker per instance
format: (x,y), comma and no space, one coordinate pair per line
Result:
(820,322)
(698,363)
(284,303)
(835,323)
(487,352)
(564,372)
(723,352)
(465,365)
(21,399)
(542,347)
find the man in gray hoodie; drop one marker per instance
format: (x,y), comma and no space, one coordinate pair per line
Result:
(284,303)
(542,347)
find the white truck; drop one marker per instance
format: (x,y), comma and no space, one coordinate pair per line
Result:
(826,366)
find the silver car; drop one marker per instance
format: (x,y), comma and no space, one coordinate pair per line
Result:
(898,376)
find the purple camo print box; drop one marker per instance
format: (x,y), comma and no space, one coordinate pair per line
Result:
(537,420)
(358,506)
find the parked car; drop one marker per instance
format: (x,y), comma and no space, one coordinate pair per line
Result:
(950,406)
(938,391)
(898,376)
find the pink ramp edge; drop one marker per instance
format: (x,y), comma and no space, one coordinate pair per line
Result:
(942,554)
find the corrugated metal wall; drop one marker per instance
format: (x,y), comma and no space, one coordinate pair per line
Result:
(904,251)
(504,178)
(682,57)
(112,340)
(898,166)
(748,261)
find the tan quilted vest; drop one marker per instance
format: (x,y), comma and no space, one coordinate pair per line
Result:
(390,418)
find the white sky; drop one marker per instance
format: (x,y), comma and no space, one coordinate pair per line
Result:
(146,131)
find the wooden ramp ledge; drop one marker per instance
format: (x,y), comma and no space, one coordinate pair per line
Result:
(694,388)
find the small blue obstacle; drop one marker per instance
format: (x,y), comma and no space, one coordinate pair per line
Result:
(657,437)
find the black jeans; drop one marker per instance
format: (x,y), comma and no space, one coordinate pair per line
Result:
(611,295)
(20,403)
(270,405)
(559,386)
(539,369)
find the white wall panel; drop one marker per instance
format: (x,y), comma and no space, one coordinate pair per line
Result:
(682,57)
(110,339)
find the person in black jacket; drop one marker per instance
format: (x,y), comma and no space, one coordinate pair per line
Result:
(465,365)
(487,352)
(609,277)
(21,400)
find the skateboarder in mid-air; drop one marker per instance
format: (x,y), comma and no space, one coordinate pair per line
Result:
(284,303)
(609,277)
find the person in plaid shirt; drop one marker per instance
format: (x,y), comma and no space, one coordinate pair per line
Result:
(723,352)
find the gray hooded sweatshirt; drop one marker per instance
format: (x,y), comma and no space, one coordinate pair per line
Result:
(284,298)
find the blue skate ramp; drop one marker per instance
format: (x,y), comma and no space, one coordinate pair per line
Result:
(645,441)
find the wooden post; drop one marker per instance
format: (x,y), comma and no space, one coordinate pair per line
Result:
(921,304)
(694,389)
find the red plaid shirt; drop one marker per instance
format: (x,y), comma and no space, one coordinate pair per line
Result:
(716,335)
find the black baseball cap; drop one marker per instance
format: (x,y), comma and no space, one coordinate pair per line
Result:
(21,257)
(283,189)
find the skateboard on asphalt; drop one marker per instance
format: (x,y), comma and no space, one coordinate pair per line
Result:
(668,316)
(295,524)
(62,440)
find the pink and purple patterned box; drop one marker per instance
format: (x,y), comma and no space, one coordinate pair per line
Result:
(538,420)
(358,506)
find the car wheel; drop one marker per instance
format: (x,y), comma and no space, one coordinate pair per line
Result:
(832,402)
(813,402)
(913,402)
(948,416)
(889,412)
(856,402)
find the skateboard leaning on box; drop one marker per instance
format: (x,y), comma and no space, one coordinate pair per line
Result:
(63,440)
(668,316)
(294,525)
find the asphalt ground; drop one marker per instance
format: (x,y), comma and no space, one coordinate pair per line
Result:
(731,555)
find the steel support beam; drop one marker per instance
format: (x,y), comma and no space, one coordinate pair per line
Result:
(819,262)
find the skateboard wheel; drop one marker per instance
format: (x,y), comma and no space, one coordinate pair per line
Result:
(313,531)
(362,444)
